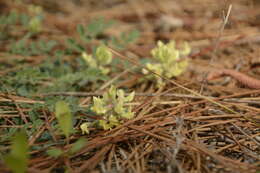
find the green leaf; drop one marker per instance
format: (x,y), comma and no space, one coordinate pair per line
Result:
(15,164)
(97,26)
(81,30)
(125,39)
(63,114)
(82,33)
(77,145)
(46,47)
(74,45)
(130,37)
(24,18)
(19,146)
(17,160)
(54,152)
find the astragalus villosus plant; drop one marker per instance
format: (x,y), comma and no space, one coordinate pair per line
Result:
(112,108)
(168,61)
(101,58)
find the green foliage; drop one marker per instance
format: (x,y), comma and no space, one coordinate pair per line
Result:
(102,57)
(98,26)
(57,73)
(73,45)
(17,160)
(76,146)
(9,19)
(80,143)
(88,33)
(32,22)
(64,117)
(55,152)
(6,23)
(52,75)
(70,81)
(50,103)
(26,48)
(112,109)
(8,134)
(168,61)
(24,81)
(125,39)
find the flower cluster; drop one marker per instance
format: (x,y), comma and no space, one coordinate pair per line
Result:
(112,108)
(102,58)
(169,61)
(35,23)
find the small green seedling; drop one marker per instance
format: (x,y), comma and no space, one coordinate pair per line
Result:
(102,58)
(64,117)
(76,146)
(17,160)
(168,61)
(112,108)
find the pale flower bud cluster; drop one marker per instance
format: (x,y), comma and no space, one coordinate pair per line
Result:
(112,108)
(101,58)
(168,61)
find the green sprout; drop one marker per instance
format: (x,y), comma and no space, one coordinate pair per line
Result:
(17,159)
(65,122)
(169,61)
(102,58)
(64,117)
(112,108)
(75,147)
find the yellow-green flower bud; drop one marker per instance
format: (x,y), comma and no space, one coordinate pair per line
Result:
(84,128)
(103,55)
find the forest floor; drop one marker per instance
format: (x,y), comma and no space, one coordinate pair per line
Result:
(189,124)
